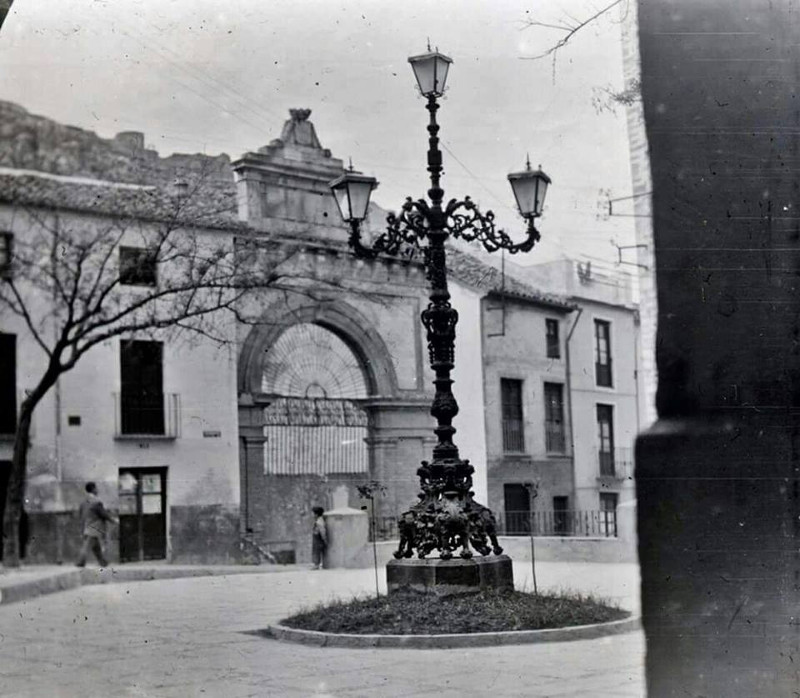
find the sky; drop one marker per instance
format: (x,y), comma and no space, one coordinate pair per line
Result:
(212,77)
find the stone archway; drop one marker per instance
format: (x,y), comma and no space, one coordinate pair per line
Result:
(313,381)
(351,326)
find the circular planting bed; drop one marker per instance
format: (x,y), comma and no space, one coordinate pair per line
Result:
(426,620)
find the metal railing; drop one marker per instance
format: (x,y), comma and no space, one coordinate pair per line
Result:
(603,374)
(555,438)
(617,464)
(572,523)
(153,416)
(385,528)
(513,436)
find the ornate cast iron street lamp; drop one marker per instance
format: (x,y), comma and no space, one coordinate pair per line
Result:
(447,517)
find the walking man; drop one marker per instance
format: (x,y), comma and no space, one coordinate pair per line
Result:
(94,517)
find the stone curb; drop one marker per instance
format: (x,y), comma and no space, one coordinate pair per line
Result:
(514,637)
(14,593)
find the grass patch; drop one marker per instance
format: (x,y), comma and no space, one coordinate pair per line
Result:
(426,614)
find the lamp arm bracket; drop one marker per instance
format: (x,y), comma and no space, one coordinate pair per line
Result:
(402,235)
(465,220)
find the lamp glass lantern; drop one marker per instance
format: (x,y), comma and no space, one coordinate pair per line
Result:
(529,187)
(352,191)
(430,69)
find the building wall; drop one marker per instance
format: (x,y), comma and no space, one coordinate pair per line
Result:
(643,222)
(468,386)
(586,394)
(201,462)
(516,348)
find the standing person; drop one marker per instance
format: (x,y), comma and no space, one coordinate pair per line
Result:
(94,517)
(319,538)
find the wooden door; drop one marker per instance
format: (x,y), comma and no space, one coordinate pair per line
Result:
(142,514)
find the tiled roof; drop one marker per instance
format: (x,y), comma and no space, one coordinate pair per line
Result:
(212,205)
(483,277)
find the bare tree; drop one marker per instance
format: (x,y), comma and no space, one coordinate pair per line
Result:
(142,261)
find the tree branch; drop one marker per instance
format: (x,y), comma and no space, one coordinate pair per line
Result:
(570,30)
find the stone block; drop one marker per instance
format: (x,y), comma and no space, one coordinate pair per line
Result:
(348,535)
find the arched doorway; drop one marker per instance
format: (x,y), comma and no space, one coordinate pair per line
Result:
(313,424)
(320,407)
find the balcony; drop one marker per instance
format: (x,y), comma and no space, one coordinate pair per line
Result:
(513,436)
(569,523)
(555,438)
(616,465)
(141,417)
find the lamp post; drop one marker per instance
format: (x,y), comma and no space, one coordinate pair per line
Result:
(447,517)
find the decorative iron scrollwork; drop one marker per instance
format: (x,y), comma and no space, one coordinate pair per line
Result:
(465,220)
(402,235)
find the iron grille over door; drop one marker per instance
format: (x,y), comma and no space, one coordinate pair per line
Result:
(314,424)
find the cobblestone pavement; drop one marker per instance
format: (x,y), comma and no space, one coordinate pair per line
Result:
(188,637)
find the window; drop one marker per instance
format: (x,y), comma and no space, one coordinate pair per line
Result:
(608,513)
(8,383)
(605,438)
(511,397)
(142,399)
(602,352)
(517,502)
(137,266)
(555,441)
(6,248)
(561,516)
(553,343)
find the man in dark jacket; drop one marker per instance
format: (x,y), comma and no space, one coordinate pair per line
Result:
(94,517)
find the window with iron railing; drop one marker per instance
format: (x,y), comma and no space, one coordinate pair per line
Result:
(8,384)
(554,432)
(142,394)
(605,438)
(553,341)
(512,418)
(602,353)
(6,254)
(608,511)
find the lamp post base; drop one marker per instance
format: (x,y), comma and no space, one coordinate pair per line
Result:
(450,577)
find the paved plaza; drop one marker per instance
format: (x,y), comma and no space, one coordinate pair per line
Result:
(189,637)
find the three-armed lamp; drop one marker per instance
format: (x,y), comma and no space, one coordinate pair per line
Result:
(446,517)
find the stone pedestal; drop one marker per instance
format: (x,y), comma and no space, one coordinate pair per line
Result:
(348,534)
(450,577)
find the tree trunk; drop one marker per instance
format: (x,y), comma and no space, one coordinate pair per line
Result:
(19,464)
(16,487)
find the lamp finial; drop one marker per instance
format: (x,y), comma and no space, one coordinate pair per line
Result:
(528,161)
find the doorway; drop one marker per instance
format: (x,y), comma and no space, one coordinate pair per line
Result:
(517,501)
(142,514)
